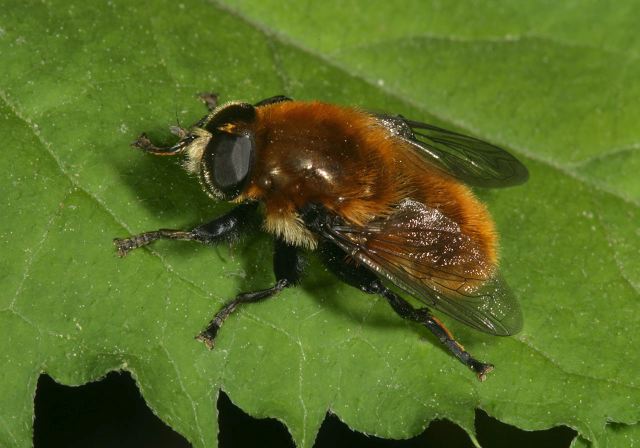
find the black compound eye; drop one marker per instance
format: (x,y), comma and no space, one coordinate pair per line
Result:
(226,163)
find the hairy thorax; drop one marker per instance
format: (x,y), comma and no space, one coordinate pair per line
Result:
(317,153)
(347,161)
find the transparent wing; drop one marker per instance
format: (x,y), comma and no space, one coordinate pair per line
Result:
(423,252)
(473,161)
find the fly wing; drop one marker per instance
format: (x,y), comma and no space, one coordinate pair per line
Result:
(424,252)
(469,159)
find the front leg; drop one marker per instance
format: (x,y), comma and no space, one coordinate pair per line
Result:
(146,145)
(223,228)
(288,266)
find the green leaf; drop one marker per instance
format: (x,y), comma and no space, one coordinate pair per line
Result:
(555,83)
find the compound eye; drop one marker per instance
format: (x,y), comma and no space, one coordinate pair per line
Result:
(226,161)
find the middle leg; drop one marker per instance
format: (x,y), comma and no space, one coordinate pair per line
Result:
(288,266)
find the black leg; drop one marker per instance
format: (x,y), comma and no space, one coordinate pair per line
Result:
(365,280)
(146,145)
(288,266)
(273,100)
(211,101)
(288,262)
(223,228)
(424,317)
(208,335)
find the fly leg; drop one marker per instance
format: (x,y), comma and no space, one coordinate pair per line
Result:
(424,317)
(288,263)
(143,142)
(146,145)
(288,266)
(210,100)
(365,280)
(226,227)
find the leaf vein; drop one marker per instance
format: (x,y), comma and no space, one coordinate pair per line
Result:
(185,391)
(287,40)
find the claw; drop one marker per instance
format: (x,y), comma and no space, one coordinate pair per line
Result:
(207,339)
(482,373)
(142,142)
(124,245)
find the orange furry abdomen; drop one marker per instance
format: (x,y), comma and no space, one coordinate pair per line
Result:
(345,160)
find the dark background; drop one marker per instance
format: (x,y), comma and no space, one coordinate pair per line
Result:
(112,413)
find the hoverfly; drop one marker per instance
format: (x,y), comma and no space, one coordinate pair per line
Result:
(379,197)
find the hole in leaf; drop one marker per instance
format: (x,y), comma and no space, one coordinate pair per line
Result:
(239,429)
(106,413)
(494,433)
(334,433)
(111,412)
(491,432)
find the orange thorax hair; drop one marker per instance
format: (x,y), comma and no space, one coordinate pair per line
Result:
(344,159)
